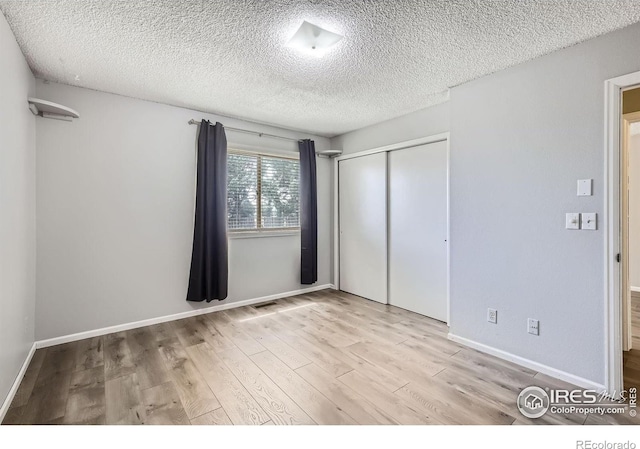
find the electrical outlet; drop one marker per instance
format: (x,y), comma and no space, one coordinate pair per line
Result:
(492,316)
(533,326)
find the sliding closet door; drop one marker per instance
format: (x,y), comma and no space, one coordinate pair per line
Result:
(363,226)
(418,229)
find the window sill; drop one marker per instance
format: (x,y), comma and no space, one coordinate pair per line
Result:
(262,234)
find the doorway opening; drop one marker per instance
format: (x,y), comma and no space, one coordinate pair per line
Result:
(630,236)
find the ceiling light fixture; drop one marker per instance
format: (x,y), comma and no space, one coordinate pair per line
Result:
(312,39)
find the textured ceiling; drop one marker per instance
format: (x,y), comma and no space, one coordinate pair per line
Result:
(229,56)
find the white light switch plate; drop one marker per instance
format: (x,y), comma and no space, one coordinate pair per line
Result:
(589,221)
(572,221)
(584,187)
(533,326)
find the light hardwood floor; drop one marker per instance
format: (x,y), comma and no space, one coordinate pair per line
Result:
(323,358)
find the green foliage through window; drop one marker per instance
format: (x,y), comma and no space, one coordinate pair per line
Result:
(263,192)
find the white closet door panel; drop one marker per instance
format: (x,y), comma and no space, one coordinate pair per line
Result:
(418,229)
(363,226)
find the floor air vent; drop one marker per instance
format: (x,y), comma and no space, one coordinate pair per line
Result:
(265,304)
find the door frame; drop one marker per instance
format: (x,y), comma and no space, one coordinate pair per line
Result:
(612,226)
(441,137)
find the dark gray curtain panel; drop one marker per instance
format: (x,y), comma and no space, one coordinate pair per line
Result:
(308,212)
(209,274)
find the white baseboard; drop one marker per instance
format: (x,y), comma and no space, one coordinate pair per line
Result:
(635,289)
(136,324)
(544,369)
(16,383)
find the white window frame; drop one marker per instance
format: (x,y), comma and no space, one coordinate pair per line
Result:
(260,231)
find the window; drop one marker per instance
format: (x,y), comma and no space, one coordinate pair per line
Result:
(263,192)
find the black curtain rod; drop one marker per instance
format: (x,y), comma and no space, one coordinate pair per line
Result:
(246,131)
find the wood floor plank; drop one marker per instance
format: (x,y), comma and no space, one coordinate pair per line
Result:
(493,391)
(16,416)
(195,395)
(145,354)
(86,401)
(161,331)
(393,313)
(358,334)
(432,343)
(123,400)
(291,357)
(332,338)
(298,318)
(425,326)
(422,353)
(241,339)
(356,406)
(314,403)
(265,324)
(395,361)
(373,372)
(450,406)
(280,408)
(58,359)
(162,405)
(402,412)
(242,313)
(29,380)
(118,360)
(199,329)
(374,329)
(390,381)
(632,361)
(239,405)
(489,365)
(188,332)
(48,400)
(287,318)
(89,353)
(319,356)
(215,418)
(212,335)
(351,307)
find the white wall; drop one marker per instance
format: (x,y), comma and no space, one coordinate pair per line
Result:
(17,210)
(422,123)
(520,139)
(115,214)
(634,210)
